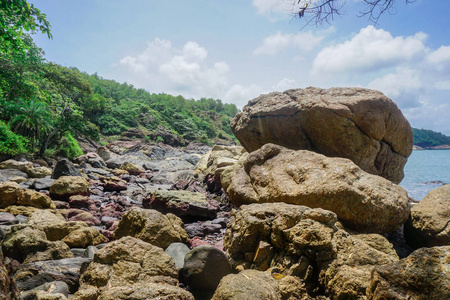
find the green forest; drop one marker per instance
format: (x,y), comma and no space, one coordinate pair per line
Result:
(45,107)
(429,138)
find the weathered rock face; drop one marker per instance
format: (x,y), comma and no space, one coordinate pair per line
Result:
(429,223)
(151,226)
(131,266)
(8,288)
(360,124)
(362,201)
(423,275)
(305,243)
(253,284)
(66,186)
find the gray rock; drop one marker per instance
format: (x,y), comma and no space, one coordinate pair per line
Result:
(8,174)
(178,252)
(204,267)
(43,183)
(195,229)
(90,252)
(41,272)
(54,287)
(65,168)
(7,219)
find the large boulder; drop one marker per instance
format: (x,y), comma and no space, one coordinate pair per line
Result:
(306,243)
(362,201)
(66,186)
(429,222)
(151,226)
(360,124)
(91,158)
(131,266)
(184,204)
(423,275)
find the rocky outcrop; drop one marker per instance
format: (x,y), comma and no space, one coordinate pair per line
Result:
(66,186)
(429,222)
(306,243)
(360,124)
(422,275)
(363,202)
(131,266)
(152,227)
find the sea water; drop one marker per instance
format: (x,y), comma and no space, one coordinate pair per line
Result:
(426,170)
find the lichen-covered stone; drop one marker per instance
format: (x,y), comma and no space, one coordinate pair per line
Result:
(66,186)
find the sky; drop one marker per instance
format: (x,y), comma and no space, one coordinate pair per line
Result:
(235,50)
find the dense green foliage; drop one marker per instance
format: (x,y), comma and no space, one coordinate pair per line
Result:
(44,107)
(428,138)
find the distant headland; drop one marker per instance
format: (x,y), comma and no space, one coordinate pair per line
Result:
(425,139)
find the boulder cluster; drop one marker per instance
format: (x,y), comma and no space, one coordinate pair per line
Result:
(308,208)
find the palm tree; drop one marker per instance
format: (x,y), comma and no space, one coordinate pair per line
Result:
(32,119)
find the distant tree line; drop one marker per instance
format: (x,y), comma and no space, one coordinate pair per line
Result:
(429,138)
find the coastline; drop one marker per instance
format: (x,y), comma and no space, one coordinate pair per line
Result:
(440,147)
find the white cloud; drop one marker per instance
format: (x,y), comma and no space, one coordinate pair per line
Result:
(370,50)
(441,55)
(285,84)
(276,42)
(268,7)
(179,71)
(240,95)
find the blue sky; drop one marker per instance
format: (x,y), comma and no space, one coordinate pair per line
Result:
(235,50)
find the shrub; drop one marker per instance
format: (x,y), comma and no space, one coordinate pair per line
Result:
(11,143)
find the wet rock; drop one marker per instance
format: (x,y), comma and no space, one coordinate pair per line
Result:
(151,226)
(362,201)
(429,222)
(65,168)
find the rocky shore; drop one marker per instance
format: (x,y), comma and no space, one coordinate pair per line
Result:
(305,210)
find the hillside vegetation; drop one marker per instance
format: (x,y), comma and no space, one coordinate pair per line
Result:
(427,138)
(44,107)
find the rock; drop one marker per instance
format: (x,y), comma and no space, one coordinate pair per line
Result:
(177,251)
(80,201)
(7,174)
(23,166)
(8,288)
(66,186)
(184,204)
(422,275)
(114,163)
(49,290)
(7,219)
(91,158)
(114,185)
(35,199)
(168,137)
(134,133)
(104,153)
(128,261)
(142,291)
(204,267)
(32,275)
(43,183)
(252,284)
(12,194)
(362,202)
(83,216)
(131,168)
(151,226)
(65,168)
(306,243)
(355,123)
(429,222)
(39,172)
(28,244)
